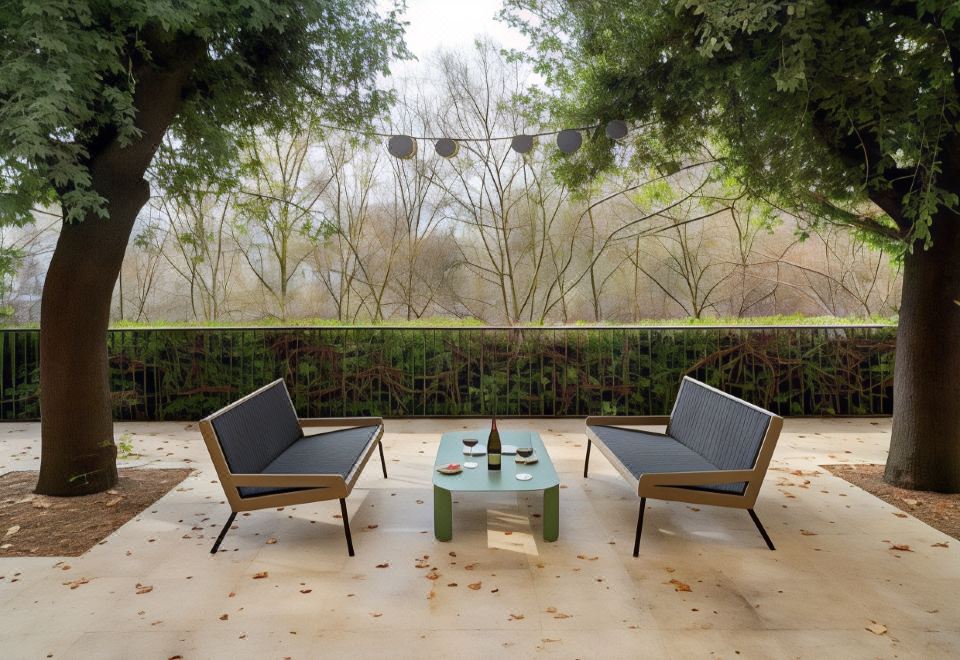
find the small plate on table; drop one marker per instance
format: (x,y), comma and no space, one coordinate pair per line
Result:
(450,468)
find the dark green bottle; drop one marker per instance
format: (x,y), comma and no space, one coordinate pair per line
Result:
(493,447)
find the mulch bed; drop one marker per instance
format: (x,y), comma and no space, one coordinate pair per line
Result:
(939,510)
(42,526)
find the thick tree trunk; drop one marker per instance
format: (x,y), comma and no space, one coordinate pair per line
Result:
(925,445)
(78,454)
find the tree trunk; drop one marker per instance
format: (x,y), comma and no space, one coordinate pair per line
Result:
(925,444)
(78,454)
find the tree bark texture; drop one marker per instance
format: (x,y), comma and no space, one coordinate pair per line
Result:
(78,454)
(925,444)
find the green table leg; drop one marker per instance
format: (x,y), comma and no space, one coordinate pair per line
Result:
(442,514)
(551,513)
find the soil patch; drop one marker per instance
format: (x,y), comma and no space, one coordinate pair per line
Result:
(42,526)
(939,510)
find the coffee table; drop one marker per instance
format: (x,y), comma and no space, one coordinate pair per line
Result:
(480,479)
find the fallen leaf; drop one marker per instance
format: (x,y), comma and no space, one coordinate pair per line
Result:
(680,586)
(114,502)
(12,530)
(475,585)
(587,558)
(470,567)
(224,617)
(271,541)
(143,589)
(551,610)
(807,532)
(940,545)
(517,617)
(561,615)
(901,547)
(452,584)
(305,591)
(899,515)
(670,570)
(376,614)
(432,575)
(260,575)
(76,583)
(877,628)
(910,502)
(231,594)
(372,526)
(385,564)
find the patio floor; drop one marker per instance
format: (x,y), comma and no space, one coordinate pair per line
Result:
(583,596)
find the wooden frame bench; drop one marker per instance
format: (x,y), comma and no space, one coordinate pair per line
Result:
(715,451)
(264,459)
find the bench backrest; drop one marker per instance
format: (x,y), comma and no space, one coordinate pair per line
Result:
(257,428)
(723,429)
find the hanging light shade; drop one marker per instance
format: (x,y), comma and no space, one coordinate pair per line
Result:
(569,140)
(522,144)
(616,129)
(446,147)
(402,146)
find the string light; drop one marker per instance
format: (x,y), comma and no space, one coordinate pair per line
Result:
(568,140)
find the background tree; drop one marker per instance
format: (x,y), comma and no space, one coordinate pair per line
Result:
(845,112)
(88,90)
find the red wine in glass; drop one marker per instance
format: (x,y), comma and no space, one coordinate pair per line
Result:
(470,443)
(524,452)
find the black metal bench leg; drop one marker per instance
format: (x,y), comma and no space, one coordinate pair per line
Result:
(346,525)
(636,543)
(763,532)
(383,461)
(586,463)
(223,532)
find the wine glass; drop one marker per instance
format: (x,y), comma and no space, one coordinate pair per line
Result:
(524,453)
(470,443)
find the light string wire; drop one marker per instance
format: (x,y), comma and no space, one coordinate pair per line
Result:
(498,138)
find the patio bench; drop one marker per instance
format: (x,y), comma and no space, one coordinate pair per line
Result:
(264,459)
(715,451)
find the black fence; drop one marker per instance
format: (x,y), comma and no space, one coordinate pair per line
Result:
(186,373)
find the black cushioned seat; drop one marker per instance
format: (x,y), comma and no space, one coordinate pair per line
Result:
(333,452)
(643,452)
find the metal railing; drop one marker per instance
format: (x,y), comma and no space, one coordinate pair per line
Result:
(186,373)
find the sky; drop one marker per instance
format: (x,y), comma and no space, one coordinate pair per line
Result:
(453,24)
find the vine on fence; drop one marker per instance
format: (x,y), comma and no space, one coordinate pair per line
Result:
(185,374)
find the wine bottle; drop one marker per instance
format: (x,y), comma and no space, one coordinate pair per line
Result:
(493,447)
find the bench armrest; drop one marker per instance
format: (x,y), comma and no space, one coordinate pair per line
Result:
(696,478)
(614,420)
(340,421)
(287,480)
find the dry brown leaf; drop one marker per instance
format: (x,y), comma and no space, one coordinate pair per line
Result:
(376,614)
(587,558)
(421,564)
(899,515)
(807,532)
(517,617)
(76,583)
(260,575)
(224,617)
(680,586)
(452,584)
(475,585)
(144,589)
(432,575)
(877,628)
(902,547)
(470,567)
(551,610)
(231,594)
(670,570)
(305,591)
(372,526)
(12,530)
(935,545)
(271,541)
(385,564)
(561,615)
(114,502)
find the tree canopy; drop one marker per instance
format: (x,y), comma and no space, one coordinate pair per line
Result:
(69,74)
(817,104)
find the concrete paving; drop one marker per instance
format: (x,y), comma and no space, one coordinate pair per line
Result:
(833,587)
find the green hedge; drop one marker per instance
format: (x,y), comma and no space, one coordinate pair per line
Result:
(186,373)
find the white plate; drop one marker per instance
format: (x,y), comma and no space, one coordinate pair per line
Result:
(470,464)
(523,476)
